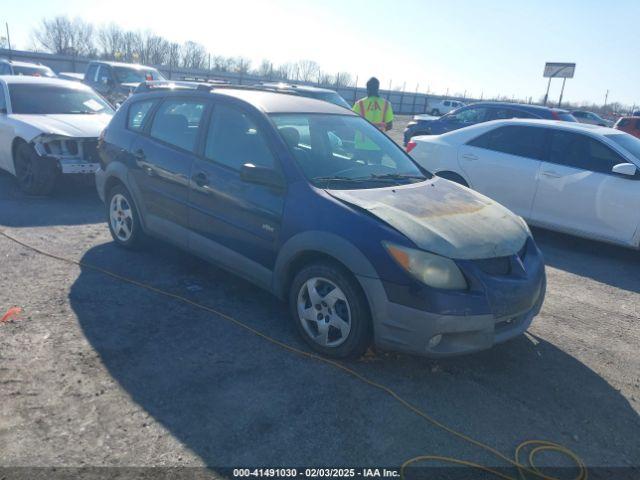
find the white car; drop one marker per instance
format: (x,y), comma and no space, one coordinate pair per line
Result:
(571,177)
(441,107)
(49,127)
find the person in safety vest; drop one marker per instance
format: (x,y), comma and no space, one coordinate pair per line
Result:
(375,108)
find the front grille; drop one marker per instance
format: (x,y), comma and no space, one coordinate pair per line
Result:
(495,266)
(90,150)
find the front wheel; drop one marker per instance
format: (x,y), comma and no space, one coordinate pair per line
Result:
(330,311)
(36,175)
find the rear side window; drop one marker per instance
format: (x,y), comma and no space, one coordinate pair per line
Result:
(514,140)
(177,122)
(234,139)
(579,151)
(502,113)
(138,113)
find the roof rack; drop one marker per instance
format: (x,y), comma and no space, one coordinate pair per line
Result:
(152,85)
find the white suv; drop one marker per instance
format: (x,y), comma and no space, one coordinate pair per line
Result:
(441,107)
(49,127)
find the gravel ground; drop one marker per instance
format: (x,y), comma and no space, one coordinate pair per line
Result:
(97,373)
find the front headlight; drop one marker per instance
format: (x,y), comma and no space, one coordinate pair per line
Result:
(56,146)
(430,269)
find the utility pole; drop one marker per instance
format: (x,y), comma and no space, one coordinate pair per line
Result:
(6,24)
(606,97)
(546,95)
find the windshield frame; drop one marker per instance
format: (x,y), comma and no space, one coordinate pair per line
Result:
(11,104)
(354,183)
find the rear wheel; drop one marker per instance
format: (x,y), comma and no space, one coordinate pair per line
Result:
(123,218)
(36,175)
(330,311)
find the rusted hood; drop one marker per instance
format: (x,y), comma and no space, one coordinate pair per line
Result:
(444,218)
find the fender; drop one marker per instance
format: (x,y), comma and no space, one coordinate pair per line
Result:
(120,171)
(322,242)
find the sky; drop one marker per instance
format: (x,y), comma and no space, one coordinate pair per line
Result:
(487,48)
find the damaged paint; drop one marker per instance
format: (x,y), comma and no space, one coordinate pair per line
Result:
(444,218)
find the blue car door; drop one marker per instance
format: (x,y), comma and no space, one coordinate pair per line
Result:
(234,222)
(163,160)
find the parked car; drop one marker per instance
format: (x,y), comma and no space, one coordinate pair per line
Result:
(571,177)
(325,94)
(361,242)
(115,81)
(630,125)
(591,118)
(482,112)
(442,106)
(12,67)
(48,127)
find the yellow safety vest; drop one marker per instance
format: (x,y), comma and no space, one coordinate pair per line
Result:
(375,109)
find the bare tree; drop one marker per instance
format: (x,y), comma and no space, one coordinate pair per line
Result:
(265,69)
(307,70)
(193,55)
(156,49)
(241,65)
(343,79)
(174,54)
(111,42)
(65,36)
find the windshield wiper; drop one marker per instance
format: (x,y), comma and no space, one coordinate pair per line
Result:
(396,176)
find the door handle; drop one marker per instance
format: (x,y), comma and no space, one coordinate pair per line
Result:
(139,155)
(469,156)
(201,179)
(550,173)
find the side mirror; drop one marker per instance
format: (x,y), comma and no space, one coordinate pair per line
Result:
(261,175)
(628,169)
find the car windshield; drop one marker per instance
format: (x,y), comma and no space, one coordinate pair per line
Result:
(630,143)
(345,152)
(34,71)
(53,99)
(331,97)
(136,75)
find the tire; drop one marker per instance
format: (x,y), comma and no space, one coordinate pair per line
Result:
(454,177)
(435,112)
(123,218)
(36,175)
(343,305)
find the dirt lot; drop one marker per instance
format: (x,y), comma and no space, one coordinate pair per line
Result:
(95,372)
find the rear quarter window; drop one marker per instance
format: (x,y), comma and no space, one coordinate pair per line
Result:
(138,113)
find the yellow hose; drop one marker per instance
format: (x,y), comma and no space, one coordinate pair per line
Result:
(526,470)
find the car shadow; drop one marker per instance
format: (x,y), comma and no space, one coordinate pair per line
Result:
(235,399)
(73,202)
(603,262)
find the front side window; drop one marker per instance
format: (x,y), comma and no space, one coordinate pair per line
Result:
(583,152)
(52,99)
(177,122)
(470,115)
(522,141)
(344,151)
(104,74)
(234,139)
(92,71)
(3,100)
(138,112)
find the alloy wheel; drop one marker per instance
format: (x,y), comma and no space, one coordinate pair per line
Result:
(121,217)
(324,312)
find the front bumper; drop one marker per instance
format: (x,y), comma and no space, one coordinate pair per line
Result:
(511,303)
